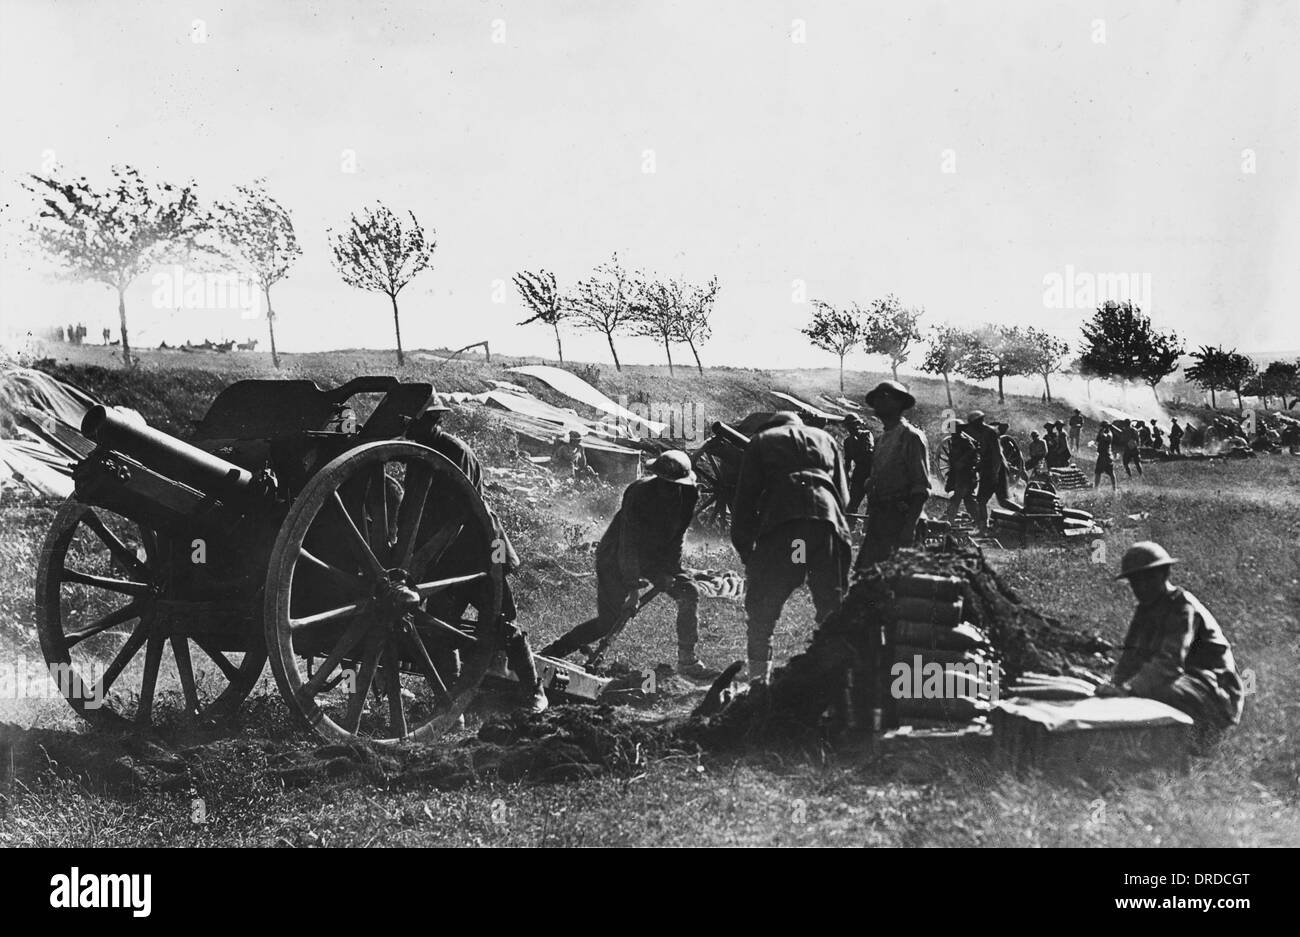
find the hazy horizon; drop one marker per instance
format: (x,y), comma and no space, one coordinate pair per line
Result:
(776,162)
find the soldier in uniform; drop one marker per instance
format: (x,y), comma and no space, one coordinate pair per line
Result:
(642,547)
(568,458)
(1105,458)
(1037,452)
(859,448)
(900,478)
(1076,429)
(788,526)
(428,431)
(1175,651)
(963,473)
(1175,437)
(1132,453)
(992,466)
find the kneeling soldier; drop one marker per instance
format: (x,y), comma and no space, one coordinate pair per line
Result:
(1175,651)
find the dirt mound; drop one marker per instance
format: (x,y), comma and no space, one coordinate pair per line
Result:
(830,681)
(565,744)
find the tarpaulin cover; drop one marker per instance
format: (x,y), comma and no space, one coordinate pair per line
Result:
(1108,712)
(35,465)
(575,388)
(805,407)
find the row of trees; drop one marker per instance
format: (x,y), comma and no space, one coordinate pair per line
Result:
(885,327)
(1215,369)
(614,301)
(113,235)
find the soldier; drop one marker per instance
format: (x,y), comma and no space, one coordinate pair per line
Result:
(900,477)
(788,526)
(642,547)
(569,458)
(963,473)
(1144,435)
(1175,651)
(1058,452)
(1132,454)
(1105,460)
(1175,437)
(1037,452)
(859,447)
(1076,429)
(1157,436)
(427,430)
(992,467)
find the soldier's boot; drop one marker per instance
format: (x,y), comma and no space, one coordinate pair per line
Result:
(520,658)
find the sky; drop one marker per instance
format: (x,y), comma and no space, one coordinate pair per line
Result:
(961,155)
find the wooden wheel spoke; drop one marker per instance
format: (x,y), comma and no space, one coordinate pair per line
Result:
(100,625)
(438,585)
(149,682)
(119,662)
(185,670)
(352,636)
(428,555)
(356,541)
(410,512)
(393,685)
(342,613)
(218,658)
(124,586)
(347,580)
(425,665)
(429,622)
(365,678)
(121,552)
(375,506)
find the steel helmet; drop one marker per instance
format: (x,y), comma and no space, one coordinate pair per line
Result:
(1143,556)
(674,466)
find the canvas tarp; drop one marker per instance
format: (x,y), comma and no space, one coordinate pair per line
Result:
(575,388)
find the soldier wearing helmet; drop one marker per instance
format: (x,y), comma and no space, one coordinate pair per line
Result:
(859,449)
(1175,651)
(642,548)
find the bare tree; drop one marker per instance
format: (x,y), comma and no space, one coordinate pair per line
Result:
(835,330)
(380,252)
(1046,355)
(947,347)
(257,235)
(113,235)
(543,298)
(603,302)
(657,311)
(693,326)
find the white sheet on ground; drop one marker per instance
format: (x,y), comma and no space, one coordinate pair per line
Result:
(575,388)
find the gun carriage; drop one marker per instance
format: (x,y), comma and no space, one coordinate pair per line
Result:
(359,561)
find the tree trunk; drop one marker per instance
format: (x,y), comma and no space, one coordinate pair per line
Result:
(397,327)
(947,387)
(270,327)
(559,349)
(669,352)
(893,366)
(1087,386)
(121,317)
(609,337)
(841,374)
(1240,405)
(1214,401)
(1047,387)
(699,367)
(1156,395)
(1002,398)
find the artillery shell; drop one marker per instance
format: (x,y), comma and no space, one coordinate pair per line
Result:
(923,586)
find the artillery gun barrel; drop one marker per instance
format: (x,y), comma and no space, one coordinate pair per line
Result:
(166,454)
(732,435)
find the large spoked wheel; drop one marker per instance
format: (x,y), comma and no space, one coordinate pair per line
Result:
(712,510)
(384,594)
(101,614)
(943,459)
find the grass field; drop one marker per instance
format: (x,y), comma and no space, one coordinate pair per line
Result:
(1236,525)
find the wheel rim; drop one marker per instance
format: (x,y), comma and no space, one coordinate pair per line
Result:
(367,596)
(943,458)
(99,589)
